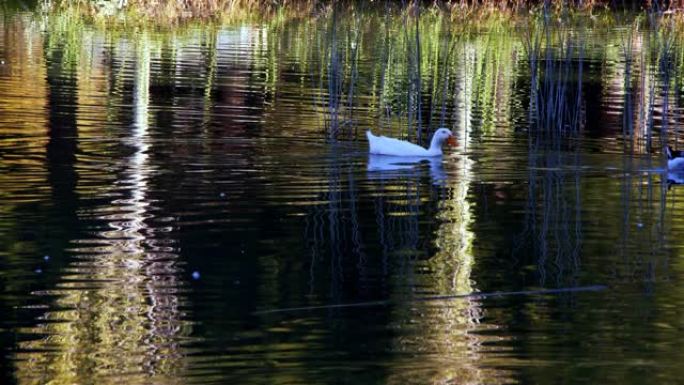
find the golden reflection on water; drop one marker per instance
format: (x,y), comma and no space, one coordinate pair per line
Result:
(447,335)
(117,306)
(23,113)
(117,310)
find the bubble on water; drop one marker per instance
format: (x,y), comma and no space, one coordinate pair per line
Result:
(46,257)
(195,275)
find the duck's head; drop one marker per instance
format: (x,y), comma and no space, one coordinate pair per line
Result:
(442,135)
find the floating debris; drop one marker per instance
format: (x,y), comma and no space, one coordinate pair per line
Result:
(495,294)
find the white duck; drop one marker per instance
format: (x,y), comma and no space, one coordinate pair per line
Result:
(675,159)
(382,145)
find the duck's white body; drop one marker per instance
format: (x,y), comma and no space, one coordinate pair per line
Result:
(382,145)
(675,164)
(675,159)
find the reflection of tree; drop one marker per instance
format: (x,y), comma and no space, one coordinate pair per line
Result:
(23,125)
(23,195)
(22,102)
(116,308)
(63,134)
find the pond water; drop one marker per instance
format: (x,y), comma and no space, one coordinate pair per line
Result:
(163,192)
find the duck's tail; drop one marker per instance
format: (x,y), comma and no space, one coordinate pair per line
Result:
(668,150)
(372,143)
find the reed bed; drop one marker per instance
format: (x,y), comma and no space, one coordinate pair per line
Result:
(171,13)
(451,63)
(466,13)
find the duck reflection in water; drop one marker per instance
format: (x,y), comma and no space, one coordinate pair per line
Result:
(384,167)
(675,177)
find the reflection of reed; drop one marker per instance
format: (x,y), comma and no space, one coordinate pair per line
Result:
(445,334)
(644,193)
(555,85)
(335,230)
(644,223)
(552,230)
(409,86)
(650,71)
(399,255)
(117,307)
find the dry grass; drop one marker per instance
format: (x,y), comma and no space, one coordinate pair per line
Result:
(173,12)
(466,14)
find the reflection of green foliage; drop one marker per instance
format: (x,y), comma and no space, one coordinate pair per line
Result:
(468,61)
(377,43)
(479,56)
(66,32)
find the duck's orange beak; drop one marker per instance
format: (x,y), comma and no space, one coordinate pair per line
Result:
(451,141)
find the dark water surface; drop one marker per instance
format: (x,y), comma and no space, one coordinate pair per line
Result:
(158,190)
